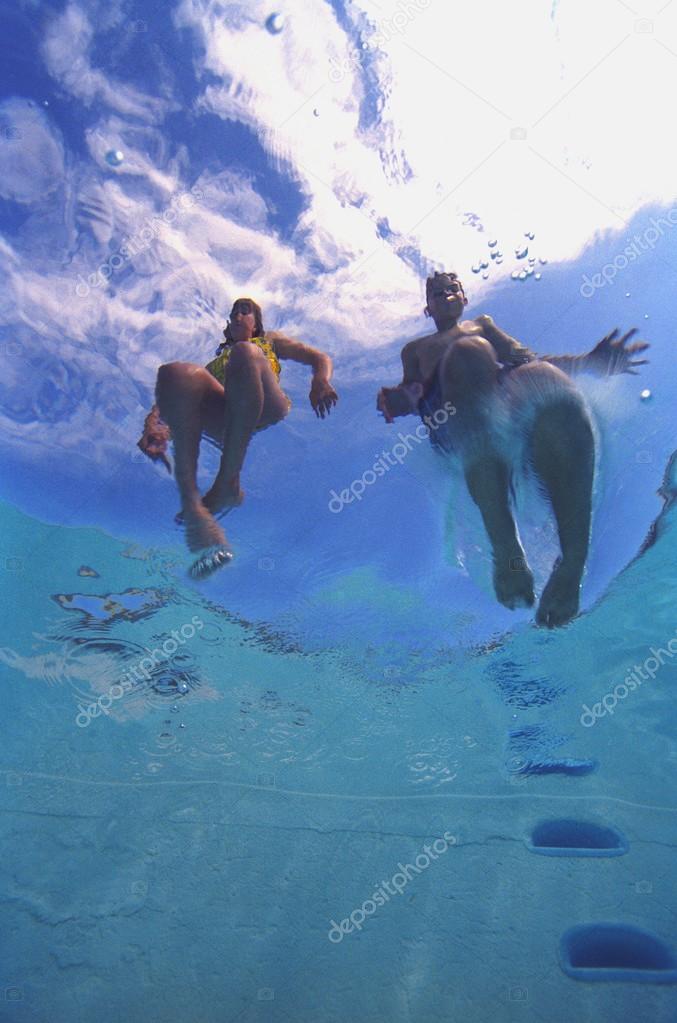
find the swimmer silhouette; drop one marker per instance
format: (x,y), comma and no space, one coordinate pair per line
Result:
(236,395)
(499,404)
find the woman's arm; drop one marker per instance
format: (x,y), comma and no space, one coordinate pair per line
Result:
(322,395)
(289,348)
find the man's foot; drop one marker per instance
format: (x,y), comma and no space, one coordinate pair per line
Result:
(513,581)
(559,600)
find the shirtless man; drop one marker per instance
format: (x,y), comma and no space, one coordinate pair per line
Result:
(506,398)
(236,395)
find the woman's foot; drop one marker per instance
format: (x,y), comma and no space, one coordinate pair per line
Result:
(202,530)
(218,500)
(223,495)
(209,561)
(559,600)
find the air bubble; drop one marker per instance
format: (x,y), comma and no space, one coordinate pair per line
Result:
(537,277)
(542,261)
(521,252)
(475,269)
(114,157)
(485,276)
(515,275)
(492,243)
(275,23)
(483,264)
(530,235)
(646,395)
(522,275)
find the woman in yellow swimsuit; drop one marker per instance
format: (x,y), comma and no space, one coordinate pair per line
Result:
(235,395)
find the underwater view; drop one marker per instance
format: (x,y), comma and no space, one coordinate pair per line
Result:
(338,515)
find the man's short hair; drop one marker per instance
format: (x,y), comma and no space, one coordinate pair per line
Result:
(430,282)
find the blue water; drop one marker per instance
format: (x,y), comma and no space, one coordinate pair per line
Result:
(217,798)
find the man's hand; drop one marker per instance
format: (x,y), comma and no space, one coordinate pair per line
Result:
(399,401)
(322,396)
(611,355)
(156,437)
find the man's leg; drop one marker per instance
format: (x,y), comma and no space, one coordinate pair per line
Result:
(182,392)
(562,452)
(468,377)
(253,399)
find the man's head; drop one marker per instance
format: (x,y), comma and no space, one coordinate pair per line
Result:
(246,321)
(446,299)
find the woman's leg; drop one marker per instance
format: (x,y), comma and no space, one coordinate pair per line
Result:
(254,399)
(183,392)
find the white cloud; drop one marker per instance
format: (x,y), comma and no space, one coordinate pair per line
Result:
(413,132)
(66,46)
(31,153)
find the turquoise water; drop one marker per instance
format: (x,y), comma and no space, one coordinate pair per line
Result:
(182,853)
(315,787)
(185,852)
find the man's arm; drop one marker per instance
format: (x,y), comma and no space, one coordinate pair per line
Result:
(403,400)
(608,357)
(508,350)
(411,367)
(322,394)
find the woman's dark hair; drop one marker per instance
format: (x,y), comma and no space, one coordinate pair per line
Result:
(258,320)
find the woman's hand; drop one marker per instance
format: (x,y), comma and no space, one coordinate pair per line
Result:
(322,396)
(155,438)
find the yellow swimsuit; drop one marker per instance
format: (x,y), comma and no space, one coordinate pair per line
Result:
(217,367)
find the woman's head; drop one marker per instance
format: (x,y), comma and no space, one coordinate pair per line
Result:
(245,318)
